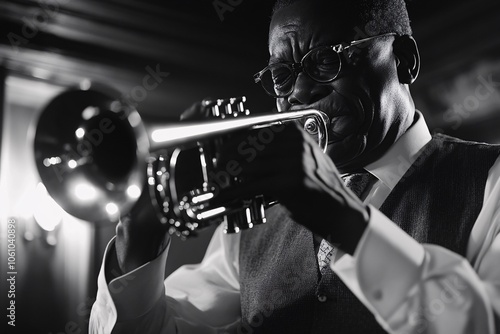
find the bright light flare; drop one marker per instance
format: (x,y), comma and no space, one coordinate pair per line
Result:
(134,191)
(90,112)
(47,213)
(111,208)
(47,162)
(79,133)
(85,192)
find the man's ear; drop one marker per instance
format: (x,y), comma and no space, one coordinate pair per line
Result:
(407,57)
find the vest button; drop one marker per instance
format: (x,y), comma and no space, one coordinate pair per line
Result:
(322,298)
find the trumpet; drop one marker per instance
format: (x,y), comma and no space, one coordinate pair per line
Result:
(95,156)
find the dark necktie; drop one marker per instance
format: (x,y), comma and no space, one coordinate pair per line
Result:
(358,184)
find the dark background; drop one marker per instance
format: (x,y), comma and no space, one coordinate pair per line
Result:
(206,55)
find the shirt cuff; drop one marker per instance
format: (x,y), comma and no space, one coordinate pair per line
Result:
(388,264)
(136,292)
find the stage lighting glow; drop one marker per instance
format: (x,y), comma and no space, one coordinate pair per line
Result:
(72,164)
(80,132)
(47,162)
(111,208)
(133,191)
(90,112)
(47,213)
(85,192)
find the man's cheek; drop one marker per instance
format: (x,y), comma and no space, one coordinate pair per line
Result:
(343,126)
(354,99)
(345,150)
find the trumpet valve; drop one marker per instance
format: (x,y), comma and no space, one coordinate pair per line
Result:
(223,108)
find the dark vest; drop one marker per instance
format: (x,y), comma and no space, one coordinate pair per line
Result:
(437,201)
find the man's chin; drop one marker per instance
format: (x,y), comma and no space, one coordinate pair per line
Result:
(347,153)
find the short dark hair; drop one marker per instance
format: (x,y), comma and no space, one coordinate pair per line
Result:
(373,17)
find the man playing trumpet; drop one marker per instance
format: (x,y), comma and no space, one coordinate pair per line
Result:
(392,230)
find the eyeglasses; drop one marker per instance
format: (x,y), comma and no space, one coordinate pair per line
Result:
(322,64)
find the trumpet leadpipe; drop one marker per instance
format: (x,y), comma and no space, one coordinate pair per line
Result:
(177,134)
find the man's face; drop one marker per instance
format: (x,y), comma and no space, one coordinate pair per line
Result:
(366,103)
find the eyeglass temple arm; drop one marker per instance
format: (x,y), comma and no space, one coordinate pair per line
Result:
(359,41)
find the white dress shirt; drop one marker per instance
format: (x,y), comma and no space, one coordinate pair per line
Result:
(409,287)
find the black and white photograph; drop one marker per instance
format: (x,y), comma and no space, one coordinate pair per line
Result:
(250,166)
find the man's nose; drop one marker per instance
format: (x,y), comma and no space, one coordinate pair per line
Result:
(306,91)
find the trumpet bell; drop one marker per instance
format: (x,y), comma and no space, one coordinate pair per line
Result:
(90,152)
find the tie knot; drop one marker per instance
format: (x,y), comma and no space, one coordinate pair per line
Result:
(358,182)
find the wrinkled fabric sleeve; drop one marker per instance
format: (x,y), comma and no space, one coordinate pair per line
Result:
(202,298)
(415,288)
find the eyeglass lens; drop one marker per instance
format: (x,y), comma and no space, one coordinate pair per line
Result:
(322,65)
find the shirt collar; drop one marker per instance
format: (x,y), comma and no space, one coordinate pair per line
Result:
(391,167)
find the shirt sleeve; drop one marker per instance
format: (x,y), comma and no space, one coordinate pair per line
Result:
(202,298)
(415,288)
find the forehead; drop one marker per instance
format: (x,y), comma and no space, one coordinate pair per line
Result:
(304,25)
